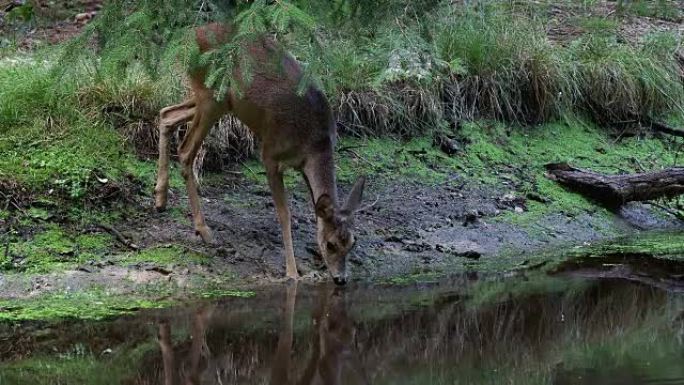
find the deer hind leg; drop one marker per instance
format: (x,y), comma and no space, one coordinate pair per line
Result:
(280,370)
(206,114)
(169,120)
(275,181)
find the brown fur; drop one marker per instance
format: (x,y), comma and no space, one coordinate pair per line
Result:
(295,131)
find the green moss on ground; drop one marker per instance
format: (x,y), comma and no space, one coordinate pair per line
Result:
(95,304)
(54,248)
(665,245)
(496,155)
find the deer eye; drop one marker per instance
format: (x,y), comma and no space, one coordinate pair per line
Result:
(331,247)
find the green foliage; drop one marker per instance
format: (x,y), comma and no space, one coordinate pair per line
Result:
(663,9)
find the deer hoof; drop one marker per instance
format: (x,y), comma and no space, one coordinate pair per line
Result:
(205,233)
(160,203)
(160,207)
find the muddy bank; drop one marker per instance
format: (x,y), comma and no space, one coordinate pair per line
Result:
(408,228)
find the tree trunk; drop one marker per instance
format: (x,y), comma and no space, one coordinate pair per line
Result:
(615,190)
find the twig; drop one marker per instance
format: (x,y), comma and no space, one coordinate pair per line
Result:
(356,154)
(370,205)
(7,240)
(119,237)
(668,210)
(346,148)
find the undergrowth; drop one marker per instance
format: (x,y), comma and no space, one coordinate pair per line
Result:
(70,115)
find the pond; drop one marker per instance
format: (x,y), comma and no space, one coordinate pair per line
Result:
(526,329)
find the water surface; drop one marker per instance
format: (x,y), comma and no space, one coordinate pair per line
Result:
(525,330)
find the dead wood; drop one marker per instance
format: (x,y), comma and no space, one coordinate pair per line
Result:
(615,190)
(665,129)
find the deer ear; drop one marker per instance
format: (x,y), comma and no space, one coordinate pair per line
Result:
(354,199)
(325,209)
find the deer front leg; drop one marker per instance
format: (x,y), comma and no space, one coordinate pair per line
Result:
(169,120)
(205,116)
(199,342)
(280,371)
(275,181)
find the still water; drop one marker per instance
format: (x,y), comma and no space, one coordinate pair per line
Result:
(524,330)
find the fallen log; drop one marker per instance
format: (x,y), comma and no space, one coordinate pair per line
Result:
(665,129)
(615,190)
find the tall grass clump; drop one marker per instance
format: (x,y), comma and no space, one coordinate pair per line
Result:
(401,94)
(502,66)
(58,133)
(619,83)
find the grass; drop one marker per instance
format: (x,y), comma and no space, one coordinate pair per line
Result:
(56,140)
(66,134)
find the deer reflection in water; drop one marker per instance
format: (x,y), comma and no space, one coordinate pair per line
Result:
(177,372)
(333,345)
(333,341)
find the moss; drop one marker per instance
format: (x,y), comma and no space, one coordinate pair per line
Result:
(415,278)
(383,158)
(95,304)
(165,255)
(53,248)
(665,245)
(521,155)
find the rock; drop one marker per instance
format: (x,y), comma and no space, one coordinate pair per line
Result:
(85,269)
(471,218)
(465,249)
(416,247)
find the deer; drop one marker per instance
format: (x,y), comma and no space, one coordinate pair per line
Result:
(296,131)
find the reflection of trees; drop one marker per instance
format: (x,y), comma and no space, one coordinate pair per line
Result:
(363,336)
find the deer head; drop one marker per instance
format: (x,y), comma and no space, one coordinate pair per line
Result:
(335,236)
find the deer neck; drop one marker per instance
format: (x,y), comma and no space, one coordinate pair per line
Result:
(319,173)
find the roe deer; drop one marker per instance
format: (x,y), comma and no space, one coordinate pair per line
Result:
(295,130)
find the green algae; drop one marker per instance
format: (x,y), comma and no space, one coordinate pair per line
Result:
(90,305)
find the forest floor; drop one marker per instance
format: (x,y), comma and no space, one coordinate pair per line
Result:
(486,209)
